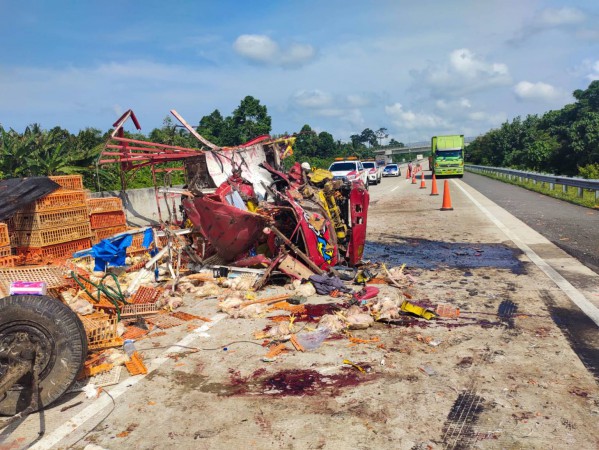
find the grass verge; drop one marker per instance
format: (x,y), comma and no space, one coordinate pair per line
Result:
(570,195)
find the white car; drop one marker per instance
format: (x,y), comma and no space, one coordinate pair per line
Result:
(349,170)
(375,172)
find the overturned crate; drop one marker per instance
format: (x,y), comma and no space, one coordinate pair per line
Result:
(52,276)
(68,182)
(104,204)
(39,255)
(57,200)
(51,236)
(104,233)
(101,331)
(49,219)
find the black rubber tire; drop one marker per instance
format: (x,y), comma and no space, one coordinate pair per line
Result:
(67,347)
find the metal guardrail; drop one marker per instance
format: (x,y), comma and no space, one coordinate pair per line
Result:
(580,183)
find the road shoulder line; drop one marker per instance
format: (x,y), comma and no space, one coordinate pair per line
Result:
(572,292)
(104,401)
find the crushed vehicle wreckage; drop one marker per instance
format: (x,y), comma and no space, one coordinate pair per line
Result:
(241,209)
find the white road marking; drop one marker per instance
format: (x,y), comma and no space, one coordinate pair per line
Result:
(394,188)
(574,294)
(104,401)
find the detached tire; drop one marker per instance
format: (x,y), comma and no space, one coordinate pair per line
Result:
(60,333)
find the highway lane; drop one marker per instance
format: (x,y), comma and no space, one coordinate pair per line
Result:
(191,399)
(573,228)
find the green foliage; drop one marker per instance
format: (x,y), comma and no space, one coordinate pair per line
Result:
(58,152)
(561,142)
(394,143)
(590,171)
(248,121)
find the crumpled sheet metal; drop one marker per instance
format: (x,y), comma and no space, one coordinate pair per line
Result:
(249,158)
(230,230)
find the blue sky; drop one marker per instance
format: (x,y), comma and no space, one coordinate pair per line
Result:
(415,68)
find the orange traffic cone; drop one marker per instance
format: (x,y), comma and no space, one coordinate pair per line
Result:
(414,178)
(422,183)
(408,174)
(434,188)
(446,198)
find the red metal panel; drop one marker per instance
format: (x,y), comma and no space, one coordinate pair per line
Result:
(359,199)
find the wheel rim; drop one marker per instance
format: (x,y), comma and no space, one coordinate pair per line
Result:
(37,337)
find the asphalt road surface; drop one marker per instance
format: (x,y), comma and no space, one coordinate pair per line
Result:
(575,229)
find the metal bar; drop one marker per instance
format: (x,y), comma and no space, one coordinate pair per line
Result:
(154,144)
(545,178)
(193,132)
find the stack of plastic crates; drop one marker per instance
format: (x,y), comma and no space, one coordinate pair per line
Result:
(6,257)
(106,217)
(54,226)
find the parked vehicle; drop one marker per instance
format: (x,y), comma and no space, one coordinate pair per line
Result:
(375,172)
(391,170)
(349,170)
(447,156)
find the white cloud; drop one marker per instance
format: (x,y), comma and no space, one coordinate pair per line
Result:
(555,17)
(407,119)
(539,91)
(259,48)
(594,75)
(312,99)
(464,72)
(565,18)
(324,104)
(453,105)
(358,100)
(487,118)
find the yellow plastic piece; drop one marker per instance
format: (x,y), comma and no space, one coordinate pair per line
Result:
(406,306)
(347,361)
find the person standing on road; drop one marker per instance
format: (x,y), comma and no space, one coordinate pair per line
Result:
(410,169)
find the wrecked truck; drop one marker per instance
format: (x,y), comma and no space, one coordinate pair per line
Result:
(246,209)
(320,220)
(243,208)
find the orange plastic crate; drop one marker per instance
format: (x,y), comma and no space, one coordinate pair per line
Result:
(58,200)
(103,233)
(4,237)
(52,276)
(8,261)
(5,251)
(69,182)
(137,244)
(38,255)
(101,330)
(51,236)
(146,294)
(51,219)
(104,204)
(107,219)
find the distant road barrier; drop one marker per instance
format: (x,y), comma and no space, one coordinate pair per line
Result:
(552,180)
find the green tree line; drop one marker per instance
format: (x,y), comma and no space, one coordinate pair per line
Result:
(562,142)
(40,152)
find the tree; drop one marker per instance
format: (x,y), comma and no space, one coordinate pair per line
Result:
(325,144)
(249,120)
(356,141)
(306,143)
(368,136)
(212,127)
(381,134)
(394,143)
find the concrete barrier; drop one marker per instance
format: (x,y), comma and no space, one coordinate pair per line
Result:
(141,207)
